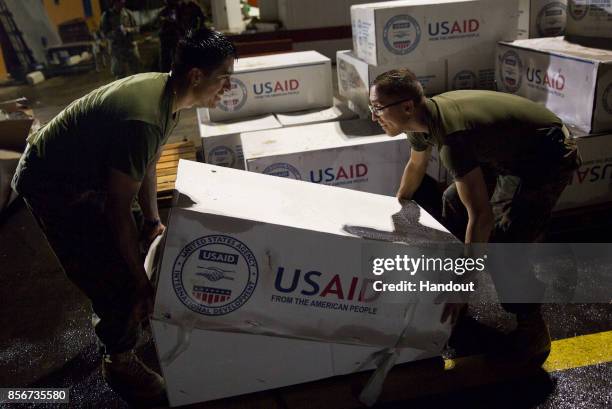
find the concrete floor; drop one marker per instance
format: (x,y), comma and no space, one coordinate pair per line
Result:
(47,339)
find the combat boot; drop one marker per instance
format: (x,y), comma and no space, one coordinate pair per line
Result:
(133,380)
(529,344)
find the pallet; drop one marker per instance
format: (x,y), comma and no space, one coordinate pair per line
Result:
(168,164)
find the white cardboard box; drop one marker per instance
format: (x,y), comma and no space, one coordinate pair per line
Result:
(541,18)
(589,18)
(230,316)
(339,112)
(398,32)
(592,182)
(245,363)
(471,71)
(276,83)
(355,77)
(574,82)
(222,141)
(353,154)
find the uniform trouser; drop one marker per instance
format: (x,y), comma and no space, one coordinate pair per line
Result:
(522,212)
(124,61)
(79,234)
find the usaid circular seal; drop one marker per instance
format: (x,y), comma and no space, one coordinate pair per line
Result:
(578,9)
(511,71)
(215,275)
(607,99)
(221,156)
(465,80)
(401,34)
(551,20)
(283,170)
(235,98)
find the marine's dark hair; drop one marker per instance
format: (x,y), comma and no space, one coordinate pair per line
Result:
(204,49)
(400,83)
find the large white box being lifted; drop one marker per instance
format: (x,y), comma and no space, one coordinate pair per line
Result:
(573,81)
(396,32)
(261,284)
(276,83)
(352,154)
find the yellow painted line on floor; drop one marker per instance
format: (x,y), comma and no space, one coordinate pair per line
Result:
(584,350)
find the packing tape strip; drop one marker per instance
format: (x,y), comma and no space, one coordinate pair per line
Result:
(386,359)
(183,340)
(370,393)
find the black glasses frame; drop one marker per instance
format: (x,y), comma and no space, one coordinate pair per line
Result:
(377,110)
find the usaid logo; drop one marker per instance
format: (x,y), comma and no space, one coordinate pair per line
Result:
(592,174)
(553,81)
(551,20)
(324,285)
(215,275)
(221,156)
(234,98)
(465,80)
(510,71)
(578,9)
(401,34)
(283,170)
(340,174)
(452,28)
(275,88)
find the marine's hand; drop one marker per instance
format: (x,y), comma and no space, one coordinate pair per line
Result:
(149,233)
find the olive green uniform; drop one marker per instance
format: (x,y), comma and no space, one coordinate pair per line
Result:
(522,149)
(62,177)
(124,58)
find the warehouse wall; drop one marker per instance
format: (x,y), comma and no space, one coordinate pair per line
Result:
(60,11)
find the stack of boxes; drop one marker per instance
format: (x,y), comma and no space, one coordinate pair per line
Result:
(297,84)
(447,44)
(264,111)
(243,247)
(352,154)
(575,82)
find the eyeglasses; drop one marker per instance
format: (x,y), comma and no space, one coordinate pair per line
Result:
(376,111)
